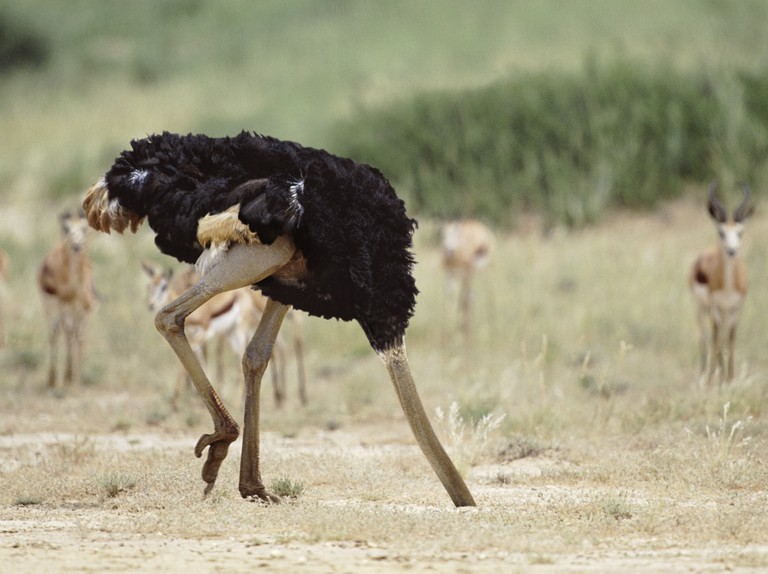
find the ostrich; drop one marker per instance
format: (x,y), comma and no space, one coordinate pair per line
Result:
(309,229)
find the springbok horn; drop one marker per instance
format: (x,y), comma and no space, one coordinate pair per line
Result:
(716,209)
(743,211)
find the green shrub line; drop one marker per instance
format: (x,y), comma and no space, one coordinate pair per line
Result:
(567,145)
(20,45)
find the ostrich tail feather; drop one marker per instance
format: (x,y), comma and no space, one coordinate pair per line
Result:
(105,214)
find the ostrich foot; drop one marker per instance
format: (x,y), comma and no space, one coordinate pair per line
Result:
(259,492)
(218,444)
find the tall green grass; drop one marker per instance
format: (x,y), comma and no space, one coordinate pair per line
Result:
(569,145)
(681,100)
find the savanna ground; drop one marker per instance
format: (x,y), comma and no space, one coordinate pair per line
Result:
(611,455)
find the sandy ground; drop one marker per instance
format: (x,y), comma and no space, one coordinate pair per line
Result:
(62,546)
(84,536)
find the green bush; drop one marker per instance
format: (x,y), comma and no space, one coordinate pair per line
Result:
(20,45)
(566,145)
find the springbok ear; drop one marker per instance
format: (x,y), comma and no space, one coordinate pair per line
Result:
(149,268)
(743,214)
(715,207)
(745,208)
(64,218)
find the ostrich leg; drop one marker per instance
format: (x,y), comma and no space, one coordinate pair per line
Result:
(170,322)
(237,267)
(397,364)
(255,362)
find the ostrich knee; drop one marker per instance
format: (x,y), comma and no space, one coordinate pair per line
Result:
(255,360)
(169,323)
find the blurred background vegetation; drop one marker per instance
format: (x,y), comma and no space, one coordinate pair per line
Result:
(492,108)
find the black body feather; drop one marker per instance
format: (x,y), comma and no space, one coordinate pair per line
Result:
(345,218)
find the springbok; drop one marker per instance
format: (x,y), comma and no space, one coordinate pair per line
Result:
(68,297)
(3,274)
(466,245)
(232,316)
(718,281)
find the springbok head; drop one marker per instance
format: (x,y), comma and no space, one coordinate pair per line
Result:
(158,285)
(74,228)
(731,228)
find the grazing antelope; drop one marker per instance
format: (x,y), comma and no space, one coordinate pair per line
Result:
(232,316)
(68,296)
(3,274)
(718,281)
(466,245)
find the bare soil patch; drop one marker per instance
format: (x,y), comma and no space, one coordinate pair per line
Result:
(338,525)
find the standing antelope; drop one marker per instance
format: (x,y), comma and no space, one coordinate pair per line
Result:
(466,245)
(233,316)
(68,296)
(718,281)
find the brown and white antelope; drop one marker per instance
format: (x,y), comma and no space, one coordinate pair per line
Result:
(466,246)
(232,316)
(718,281)
(68,297)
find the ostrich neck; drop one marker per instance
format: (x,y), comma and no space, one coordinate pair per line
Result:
(397,364)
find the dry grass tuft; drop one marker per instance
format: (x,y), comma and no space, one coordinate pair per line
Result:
(284,487)
(467,439)
(115,483)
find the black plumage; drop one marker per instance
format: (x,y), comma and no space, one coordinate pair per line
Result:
(343,216)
